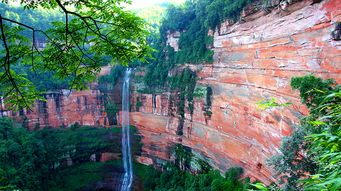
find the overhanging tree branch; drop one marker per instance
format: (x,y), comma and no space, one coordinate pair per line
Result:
(66,53)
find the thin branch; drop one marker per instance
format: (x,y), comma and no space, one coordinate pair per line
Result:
(97,31)
(66,27)
(83,54)
(7,63)
(32,49)
(16,22)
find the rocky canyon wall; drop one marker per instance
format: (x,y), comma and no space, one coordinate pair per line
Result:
(253,60)
(64,108)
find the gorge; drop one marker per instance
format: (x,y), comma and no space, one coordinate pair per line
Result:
(217,119)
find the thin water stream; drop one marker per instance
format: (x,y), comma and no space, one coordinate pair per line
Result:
(126,150)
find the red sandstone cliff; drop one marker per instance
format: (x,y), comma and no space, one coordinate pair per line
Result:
(253,60)
(64,108)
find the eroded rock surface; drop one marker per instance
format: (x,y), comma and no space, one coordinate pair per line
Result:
(253,60)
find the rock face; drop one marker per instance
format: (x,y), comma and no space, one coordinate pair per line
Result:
(64,108)
(253,60)
(173,40)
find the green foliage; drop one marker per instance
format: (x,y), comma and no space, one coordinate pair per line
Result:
(293,164)
(24,93)
(263,104)
(107,82)
(175,176)
(38,18)
(199,92)
(111,108)
(75,49)
(208,106)
(152,15)
(175,179)
(184,85)
(325,141)
(204,166)
(23,157)
(157,71)
(43,81)
(261,186)
(33,160)
(311,89)
(77,176)
(314,148)
(233,173)
(231,10)
(138,104)
(183,157)
(193,20)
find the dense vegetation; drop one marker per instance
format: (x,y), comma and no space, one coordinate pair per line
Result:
(37,18)
(175,179)
(175,176)
(37,160)
(193,20)
(310,157)
(40,19)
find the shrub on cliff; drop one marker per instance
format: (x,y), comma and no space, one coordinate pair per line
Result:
(310,158)
(193,20)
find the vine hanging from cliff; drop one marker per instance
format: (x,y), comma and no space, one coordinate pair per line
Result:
(182,86)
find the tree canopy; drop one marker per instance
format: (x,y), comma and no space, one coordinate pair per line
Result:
(92,34)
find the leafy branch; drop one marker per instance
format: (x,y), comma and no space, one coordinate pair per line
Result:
(94,34)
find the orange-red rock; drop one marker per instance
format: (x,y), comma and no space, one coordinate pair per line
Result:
(253,60)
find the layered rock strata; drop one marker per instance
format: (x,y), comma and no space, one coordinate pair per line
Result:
(64,108)
(253,60)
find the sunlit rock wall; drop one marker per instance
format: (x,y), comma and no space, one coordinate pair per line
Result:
(253,60)
(64,108)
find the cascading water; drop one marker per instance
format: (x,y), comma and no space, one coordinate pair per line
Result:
(126,150)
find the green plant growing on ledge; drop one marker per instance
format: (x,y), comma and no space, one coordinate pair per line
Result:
(263,104)
(204,166)
(208,108)
(312,89)
(199,92)
(138,103)
(111,109)
(183,156)
(208,113)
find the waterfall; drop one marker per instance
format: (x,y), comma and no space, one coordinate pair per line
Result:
(126,150)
